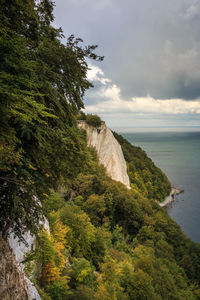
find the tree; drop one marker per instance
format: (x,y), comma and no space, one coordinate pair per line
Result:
(82,273)
(47,253)
(93,120)
(82,230)
(95,207)
(43,83)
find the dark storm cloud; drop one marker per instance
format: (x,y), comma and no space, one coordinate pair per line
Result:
(151,47)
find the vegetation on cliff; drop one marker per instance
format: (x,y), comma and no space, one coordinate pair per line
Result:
(144,175)
(105,241)
(93,120)
(108,242)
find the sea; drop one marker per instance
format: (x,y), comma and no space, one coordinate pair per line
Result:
(177,152)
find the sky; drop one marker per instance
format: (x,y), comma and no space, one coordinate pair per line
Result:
(150,76)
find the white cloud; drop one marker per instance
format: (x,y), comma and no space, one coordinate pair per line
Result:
(131,35)
(110,99)
(96,74)
(107,101)
(146,105)
(192,11)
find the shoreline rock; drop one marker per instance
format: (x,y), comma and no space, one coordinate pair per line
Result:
(169,199)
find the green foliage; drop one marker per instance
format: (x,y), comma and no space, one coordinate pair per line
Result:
(82,273)
(43,83)
(81,116)
(82,231)
(141,287)
(45,242)
(82,292)
(58,289)
(93,120)
(95,207)
(117,245)
(53,202)
(144,176)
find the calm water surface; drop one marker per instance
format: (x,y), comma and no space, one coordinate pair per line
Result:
(178,155)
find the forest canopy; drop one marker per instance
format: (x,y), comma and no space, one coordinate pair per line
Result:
(144,176)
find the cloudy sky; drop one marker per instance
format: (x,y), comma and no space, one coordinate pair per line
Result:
(150,76)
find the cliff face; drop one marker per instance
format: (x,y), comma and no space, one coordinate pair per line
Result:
(12,282)
(19,249)
(18,252)
(108,150)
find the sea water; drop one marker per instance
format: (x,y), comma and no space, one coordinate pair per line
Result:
(177,153)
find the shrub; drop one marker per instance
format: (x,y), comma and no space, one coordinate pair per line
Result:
(81,116)
(93,120)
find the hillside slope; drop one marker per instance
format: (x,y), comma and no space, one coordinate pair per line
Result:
(109,242)
(144,175)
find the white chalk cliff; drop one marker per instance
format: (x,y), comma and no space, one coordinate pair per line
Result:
(19,250)
(108,150)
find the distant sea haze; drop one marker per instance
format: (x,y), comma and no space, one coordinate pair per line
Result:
(177,153)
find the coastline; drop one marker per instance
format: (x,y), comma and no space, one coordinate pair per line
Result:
(169,199)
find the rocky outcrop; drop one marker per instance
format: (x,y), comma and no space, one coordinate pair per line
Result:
(169,199)
(19,250)
(12,283)
(108,150)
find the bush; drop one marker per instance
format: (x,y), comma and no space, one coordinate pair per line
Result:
(58,289)
(93,120)
(81,116)
(82,273)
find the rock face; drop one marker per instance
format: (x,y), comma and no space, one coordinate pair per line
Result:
(108,150)
(19,250)
(169,199)
(12,282)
